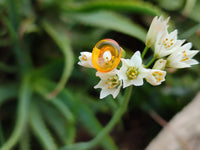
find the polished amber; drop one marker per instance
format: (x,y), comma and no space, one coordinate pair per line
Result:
(106,55)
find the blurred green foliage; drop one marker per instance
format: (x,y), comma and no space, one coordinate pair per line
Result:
(45,97)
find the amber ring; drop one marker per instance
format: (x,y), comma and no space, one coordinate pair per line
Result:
(106,55)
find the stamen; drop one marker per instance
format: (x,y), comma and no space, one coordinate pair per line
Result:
(132,73)
(84,58)
(184,59)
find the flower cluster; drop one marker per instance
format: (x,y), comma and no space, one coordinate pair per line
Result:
(168,50)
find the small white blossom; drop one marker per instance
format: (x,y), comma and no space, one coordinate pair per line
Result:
(166,43)
(132,71)
(155,76)
(109,83)
(182,58)
(86,59)
(157,25)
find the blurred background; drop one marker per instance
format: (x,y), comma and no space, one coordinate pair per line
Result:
(47,101)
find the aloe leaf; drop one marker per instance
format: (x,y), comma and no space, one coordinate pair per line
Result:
(108,20)
(62,108)
(58,123)
(22,112)
(140,7)
(87,117)
(40,130)
(61,39)
(25,140)
(8,91)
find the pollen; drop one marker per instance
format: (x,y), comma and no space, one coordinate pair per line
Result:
(184,59)
(157,75)
(132,73)
(168,43)
(113,82)
(84,58)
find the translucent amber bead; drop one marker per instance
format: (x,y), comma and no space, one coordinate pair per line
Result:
(106,55)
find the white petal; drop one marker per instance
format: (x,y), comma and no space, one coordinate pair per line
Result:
(104,93)
(136,59)
(138,81)
(101,84)
(126,83)
(192,62)
(160,64)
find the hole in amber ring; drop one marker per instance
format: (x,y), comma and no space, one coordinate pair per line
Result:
(106,55)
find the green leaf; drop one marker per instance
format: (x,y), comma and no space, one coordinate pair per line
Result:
(8,91)
(171,4)
(58,123)
(140,7)
(57,33)
(87,117)
(195,13)
(40,130)
(25,141)
(60,107)
(22,112)
(108,20)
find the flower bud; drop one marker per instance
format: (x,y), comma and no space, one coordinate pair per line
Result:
(160,64)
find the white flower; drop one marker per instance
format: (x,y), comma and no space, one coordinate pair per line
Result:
(166,44)
(182,58)
(132,71)
(155,76)
(157,25)
(160,64)
(85,59)
(109,83)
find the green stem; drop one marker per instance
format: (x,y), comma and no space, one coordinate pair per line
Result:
(117,116)
(144,51)
(152,60)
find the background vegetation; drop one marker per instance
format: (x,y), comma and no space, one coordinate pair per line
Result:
(47,101)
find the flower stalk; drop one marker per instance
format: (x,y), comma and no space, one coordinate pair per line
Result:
(144,51)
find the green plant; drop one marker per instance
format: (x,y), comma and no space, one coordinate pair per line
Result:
(41,41)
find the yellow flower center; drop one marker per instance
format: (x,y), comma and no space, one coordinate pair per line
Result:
(113,82)
(84,58)
(132,73)
(157,75)
(168,43)
(184,56)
